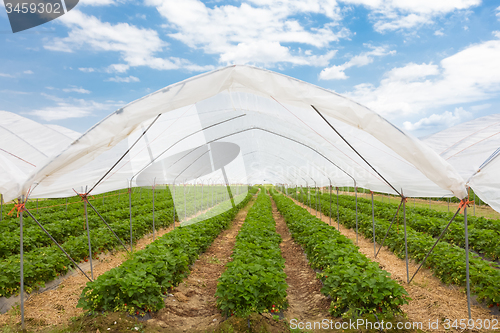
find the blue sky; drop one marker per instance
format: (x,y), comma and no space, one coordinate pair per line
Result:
(425,65)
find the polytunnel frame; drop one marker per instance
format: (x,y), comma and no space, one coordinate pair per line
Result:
(21,205)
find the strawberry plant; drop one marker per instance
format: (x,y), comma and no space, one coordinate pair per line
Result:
(141,281)
(352,281)
(254,281)
(447,260)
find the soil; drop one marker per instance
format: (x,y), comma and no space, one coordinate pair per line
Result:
(431,299)
(306,302)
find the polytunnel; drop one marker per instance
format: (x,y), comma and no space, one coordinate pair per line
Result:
(241,125)
(284,130)
(26,145)
(473,149)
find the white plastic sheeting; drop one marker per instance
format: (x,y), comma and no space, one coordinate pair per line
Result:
(473,148)
(270,117)
(26,145)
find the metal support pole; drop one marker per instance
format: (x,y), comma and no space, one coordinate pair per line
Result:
(55,242)
(373,224)
(154,212)
(21,249)
(173,206)
(356,195)
(338,216)
(330,204)
(474,203)
(467,281)
(316,190)
(309,199)
(406,240)
(130,212)
(109,227)
(433,246)
(102,199)
(390,225)
(88,238)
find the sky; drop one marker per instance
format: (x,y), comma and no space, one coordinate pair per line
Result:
(424,65)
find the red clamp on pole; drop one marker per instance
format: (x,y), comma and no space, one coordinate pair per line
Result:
(20,206)
(83,196)
(464,202)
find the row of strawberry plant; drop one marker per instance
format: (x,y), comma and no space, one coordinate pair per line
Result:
(354,283)
(72,224)
(47,263)
(477,222)
(138,285)
(254,281)
(43,264)
(63,224)
(484,241)
(447,260)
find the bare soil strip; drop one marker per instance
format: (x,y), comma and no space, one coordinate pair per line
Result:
(192,305)
(56,307)
(431,299)
(306,302)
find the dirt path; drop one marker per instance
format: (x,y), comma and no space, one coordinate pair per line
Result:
(57,306)
(192,304)
(306,302)
(431,299)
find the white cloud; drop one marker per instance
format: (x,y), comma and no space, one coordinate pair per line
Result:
(470,75)
(439,32)
(412,72)
(496,34)
(390,15)
(436,121)
(256,32)
(28,72)
(69,108)
(6,75)
(498,13)
(336,72)
(79,90)
(124,79)
(117,68)
(136,46)
(86,70)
